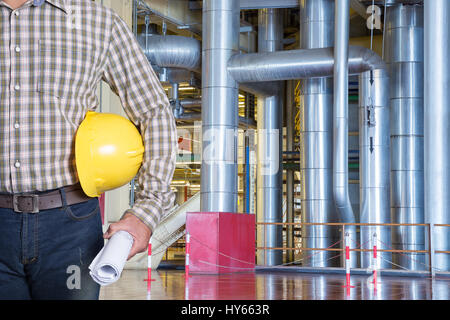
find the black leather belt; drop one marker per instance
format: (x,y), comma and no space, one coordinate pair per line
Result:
(35,202)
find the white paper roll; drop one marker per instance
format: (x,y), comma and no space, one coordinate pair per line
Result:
(107,266)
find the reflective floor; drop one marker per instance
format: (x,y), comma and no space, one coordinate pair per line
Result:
(172,285)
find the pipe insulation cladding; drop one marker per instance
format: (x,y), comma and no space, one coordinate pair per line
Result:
(219,170)
(172,51)
(437,129)
(405,60)
(316,139)
(340,124)
(374,152)
(299,64)
(269,153)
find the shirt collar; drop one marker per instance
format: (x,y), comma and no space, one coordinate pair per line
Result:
(61,4)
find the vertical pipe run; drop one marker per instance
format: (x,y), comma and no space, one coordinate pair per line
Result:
(437,128)
(374,150)
(175,97)
(316,137)
(270,173)
(405,64)
(219,107)
(340,123)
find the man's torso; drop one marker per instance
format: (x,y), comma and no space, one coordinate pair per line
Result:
(51,60)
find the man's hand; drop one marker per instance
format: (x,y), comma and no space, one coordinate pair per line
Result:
(138,230)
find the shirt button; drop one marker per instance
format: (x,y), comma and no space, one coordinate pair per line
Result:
(17,87)
(17,164)
(16,13)
(17,49)
(16,125)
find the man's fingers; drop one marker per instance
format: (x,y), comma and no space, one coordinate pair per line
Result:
(111,230)
(106,235)
(135,249)
(140,233)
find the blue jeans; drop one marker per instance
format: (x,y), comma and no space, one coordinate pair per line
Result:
(46,255)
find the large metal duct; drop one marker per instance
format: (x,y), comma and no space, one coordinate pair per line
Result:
(404,31)
(316,138)
(374,151)
(172,51)
(299,64)
(269,168)
(437,128)
(340,124)
(219,107)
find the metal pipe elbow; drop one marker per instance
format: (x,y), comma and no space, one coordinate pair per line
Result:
(362,59)
(172,51)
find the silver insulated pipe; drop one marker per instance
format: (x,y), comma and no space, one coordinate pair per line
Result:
(316,138)
(374,147)
(269,165)
(404,31)
(219,107)
(298,64)
(340,123)
(437,128)
(172,51)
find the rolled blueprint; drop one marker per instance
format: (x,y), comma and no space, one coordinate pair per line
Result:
(107,266)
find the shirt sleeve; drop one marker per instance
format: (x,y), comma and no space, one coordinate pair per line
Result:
(131,77)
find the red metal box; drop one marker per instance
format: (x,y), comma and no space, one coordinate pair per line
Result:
(221,242)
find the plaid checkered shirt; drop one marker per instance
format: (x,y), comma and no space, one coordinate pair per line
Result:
(53,55)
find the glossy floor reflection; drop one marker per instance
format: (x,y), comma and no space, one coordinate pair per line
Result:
(172,285)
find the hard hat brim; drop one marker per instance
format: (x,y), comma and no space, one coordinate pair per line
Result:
(83,158)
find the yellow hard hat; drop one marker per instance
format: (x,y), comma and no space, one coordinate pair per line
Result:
(108,152)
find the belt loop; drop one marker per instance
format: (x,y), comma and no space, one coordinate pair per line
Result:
(63,197)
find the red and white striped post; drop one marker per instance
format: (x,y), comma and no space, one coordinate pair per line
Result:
(149,291)
(149,263)
(186,288)
(186,277)
(375,261)
(188,252)
(347,263)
